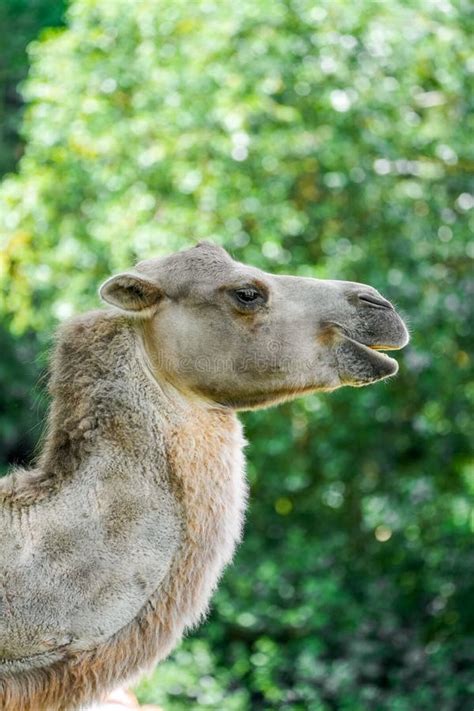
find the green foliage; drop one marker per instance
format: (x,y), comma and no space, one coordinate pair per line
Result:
(331,140)
(20,20)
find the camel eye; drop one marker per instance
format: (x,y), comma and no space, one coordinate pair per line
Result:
(248,296)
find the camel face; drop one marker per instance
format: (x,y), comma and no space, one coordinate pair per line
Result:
(238,337)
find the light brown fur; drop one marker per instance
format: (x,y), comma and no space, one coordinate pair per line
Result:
(115,542)
(83,677)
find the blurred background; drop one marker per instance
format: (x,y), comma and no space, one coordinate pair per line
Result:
(330,139)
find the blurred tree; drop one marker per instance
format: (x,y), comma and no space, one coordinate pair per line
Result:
(332,140)
(21,21)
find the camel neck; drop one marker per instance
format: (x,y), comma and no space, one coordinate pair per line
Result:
(104,399)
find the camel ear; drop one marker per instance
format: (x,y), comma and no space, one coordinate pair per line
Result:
(131,293)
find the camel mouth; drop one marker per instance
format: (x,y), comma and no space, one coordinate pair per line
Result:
(365,363)
(378,350)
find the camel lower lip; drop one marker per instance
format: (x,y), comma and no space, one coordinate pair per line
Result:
(388,366)
(383,355)
(379,350)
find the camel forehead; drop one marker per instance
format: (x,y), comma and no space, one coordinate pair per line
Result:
(205,263)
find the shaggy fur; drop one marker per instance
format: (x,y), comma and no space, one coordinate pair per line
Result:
(113,545)
(205,443)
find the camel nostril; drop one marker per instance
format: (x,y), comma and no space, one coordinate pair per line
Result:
(377,301)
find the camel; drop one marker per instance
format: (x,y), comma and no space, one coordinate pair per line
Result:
(113,544)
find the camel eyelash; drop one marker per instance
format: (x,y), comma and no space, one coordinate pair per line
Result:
(249,296)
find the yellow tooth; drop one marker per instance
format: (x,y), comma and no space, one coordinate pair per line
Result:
(384,348)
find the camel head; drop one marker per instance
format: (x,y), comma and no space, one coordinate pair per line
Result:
(234,336)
